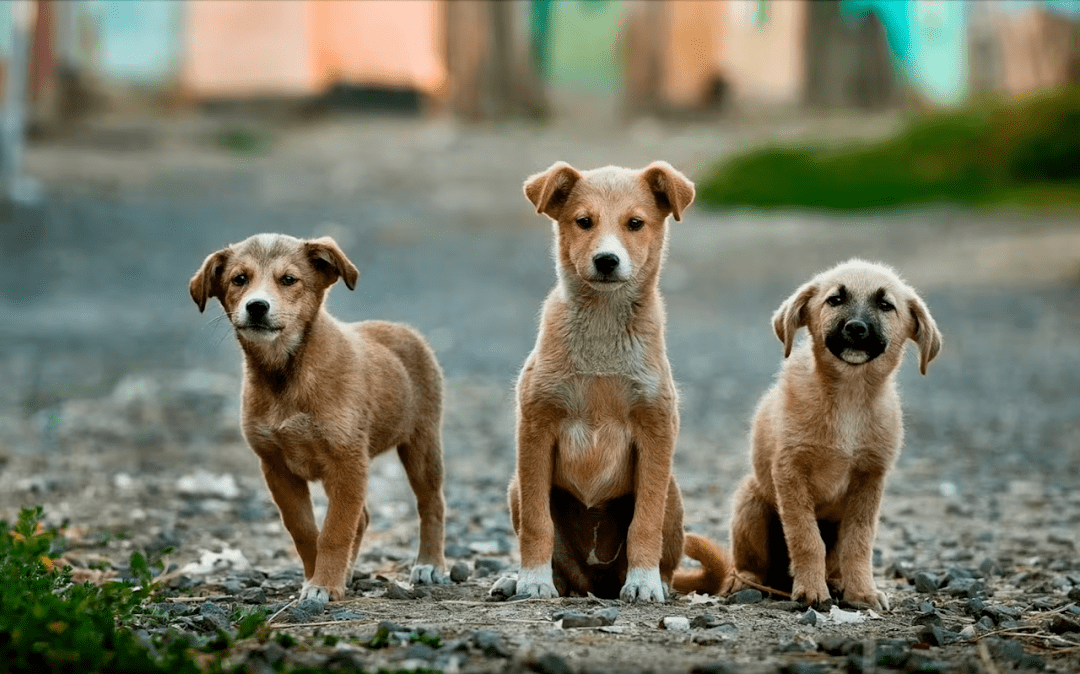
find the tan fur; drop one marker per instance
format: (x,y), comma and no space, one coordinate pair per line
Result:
(824,437)
(321,397)
(593,500)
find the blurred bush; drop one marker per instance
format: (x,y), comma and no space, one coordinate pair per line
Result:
(1023,153)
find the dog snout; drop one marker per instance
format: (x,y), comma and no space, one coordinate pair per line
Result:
(257,309)
(606,263)
(856,330)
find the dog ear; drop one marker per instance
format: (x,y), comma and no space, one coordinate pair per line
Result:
(792,315)
(326,256)
(924,332)
(548,191)
(206,282)
(673,191)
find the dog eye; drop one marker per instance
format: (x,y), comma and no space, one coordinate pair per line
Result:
(635,224)
(584,222)
(288,280)
(885,305)
(240,280)
(835,300)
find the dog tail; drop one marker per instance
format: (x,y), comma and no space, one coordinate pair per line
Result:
(716,566)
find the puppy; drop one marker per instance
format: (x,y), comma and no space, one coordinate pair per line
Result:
(825,435)
(321,397)
(593,500)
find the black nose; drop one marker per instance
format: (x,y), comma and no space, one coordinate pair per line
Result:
(855,330)
(605,263)
(257,309)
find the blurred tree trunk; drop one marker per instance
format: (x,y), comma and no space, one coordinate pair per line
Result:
(489,60)
(644,56)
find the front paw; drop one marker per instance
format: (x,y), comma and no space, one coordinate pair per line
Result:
(536,582)
(871,598)
(427,574)
(320,593)
(643,585)
(815,595)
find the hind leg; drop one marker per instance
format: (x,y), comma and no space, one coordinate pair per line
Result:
(749,537)
(422,458)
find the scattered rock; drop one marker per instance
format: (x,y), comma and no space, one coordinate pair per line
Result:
(675,623)
(491,643)
(306,611)
(705,621)
(213,617)
(549,663)
(598,618)
(203,484)
(346,614)
(253,595)
(747,596)
(397,592)
(809,618)
(796,643)
(459,572)
(487,566)
(210,562)
(928,618)
(926,582)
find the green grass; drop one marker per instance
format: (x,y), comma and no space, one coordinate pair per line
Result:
(1024,154)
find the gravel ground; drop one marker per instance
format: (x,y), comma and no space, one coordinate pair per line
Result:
(121,405)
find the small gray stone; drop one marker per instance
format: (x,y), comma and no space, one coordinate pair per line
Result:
(927,618)
(704,621)
(487,566)
(491,643)
(675,623)
(748,596)
(597,618)
(346,614)
(926,582)
(306,611)
(459,572)
(232,586)
(396,592)
(549,663)
(809,618)
(253,595)
(985,623)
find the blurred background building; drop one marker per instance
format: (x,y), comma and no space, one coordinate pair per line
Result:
(481,59)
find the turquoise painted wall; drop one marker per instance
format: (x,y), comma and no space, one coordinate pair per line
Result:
(582,50)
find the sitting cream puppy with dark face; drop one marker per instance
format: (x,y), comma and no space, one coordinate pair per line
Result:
(826,434)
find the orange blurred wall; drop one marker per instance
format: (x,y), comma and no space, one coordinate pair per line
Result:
(243,48)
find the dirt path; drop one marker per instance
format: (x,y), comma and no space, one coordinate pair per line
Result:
(120,410)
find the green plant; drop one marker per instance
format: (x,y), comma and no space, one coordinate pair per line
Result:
(50,624)
(1025,152)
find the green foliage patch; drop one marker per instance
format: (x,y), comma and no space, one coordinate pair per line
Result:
(1025,153)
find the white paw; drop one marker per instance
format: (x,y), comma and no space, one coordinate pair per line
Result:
(426,574)
(536,582)
(643,585)
(315,592)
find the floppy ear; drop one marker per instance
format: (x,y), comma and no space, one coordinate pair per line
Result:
(326,257)
(673,191)
(206,282)
(924,332)
(792,315)
(548,191)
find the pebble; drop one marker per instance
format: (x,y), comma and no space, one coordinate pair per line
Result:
(796,643)
(346,614)
(306,611)
(491,643)
(397,592)
(926,582)
(928,618)
(809,618)
(598,618)
(253,595)
(747,596)
(486,566)
(1061,625)
(966,587)
(459,572)
(705,621)
(675,624)
(549,663)
(213,617)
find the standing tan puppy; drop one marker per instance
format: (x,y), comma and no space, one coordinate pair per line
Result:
(825,435)
(321,397)
(593,501)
